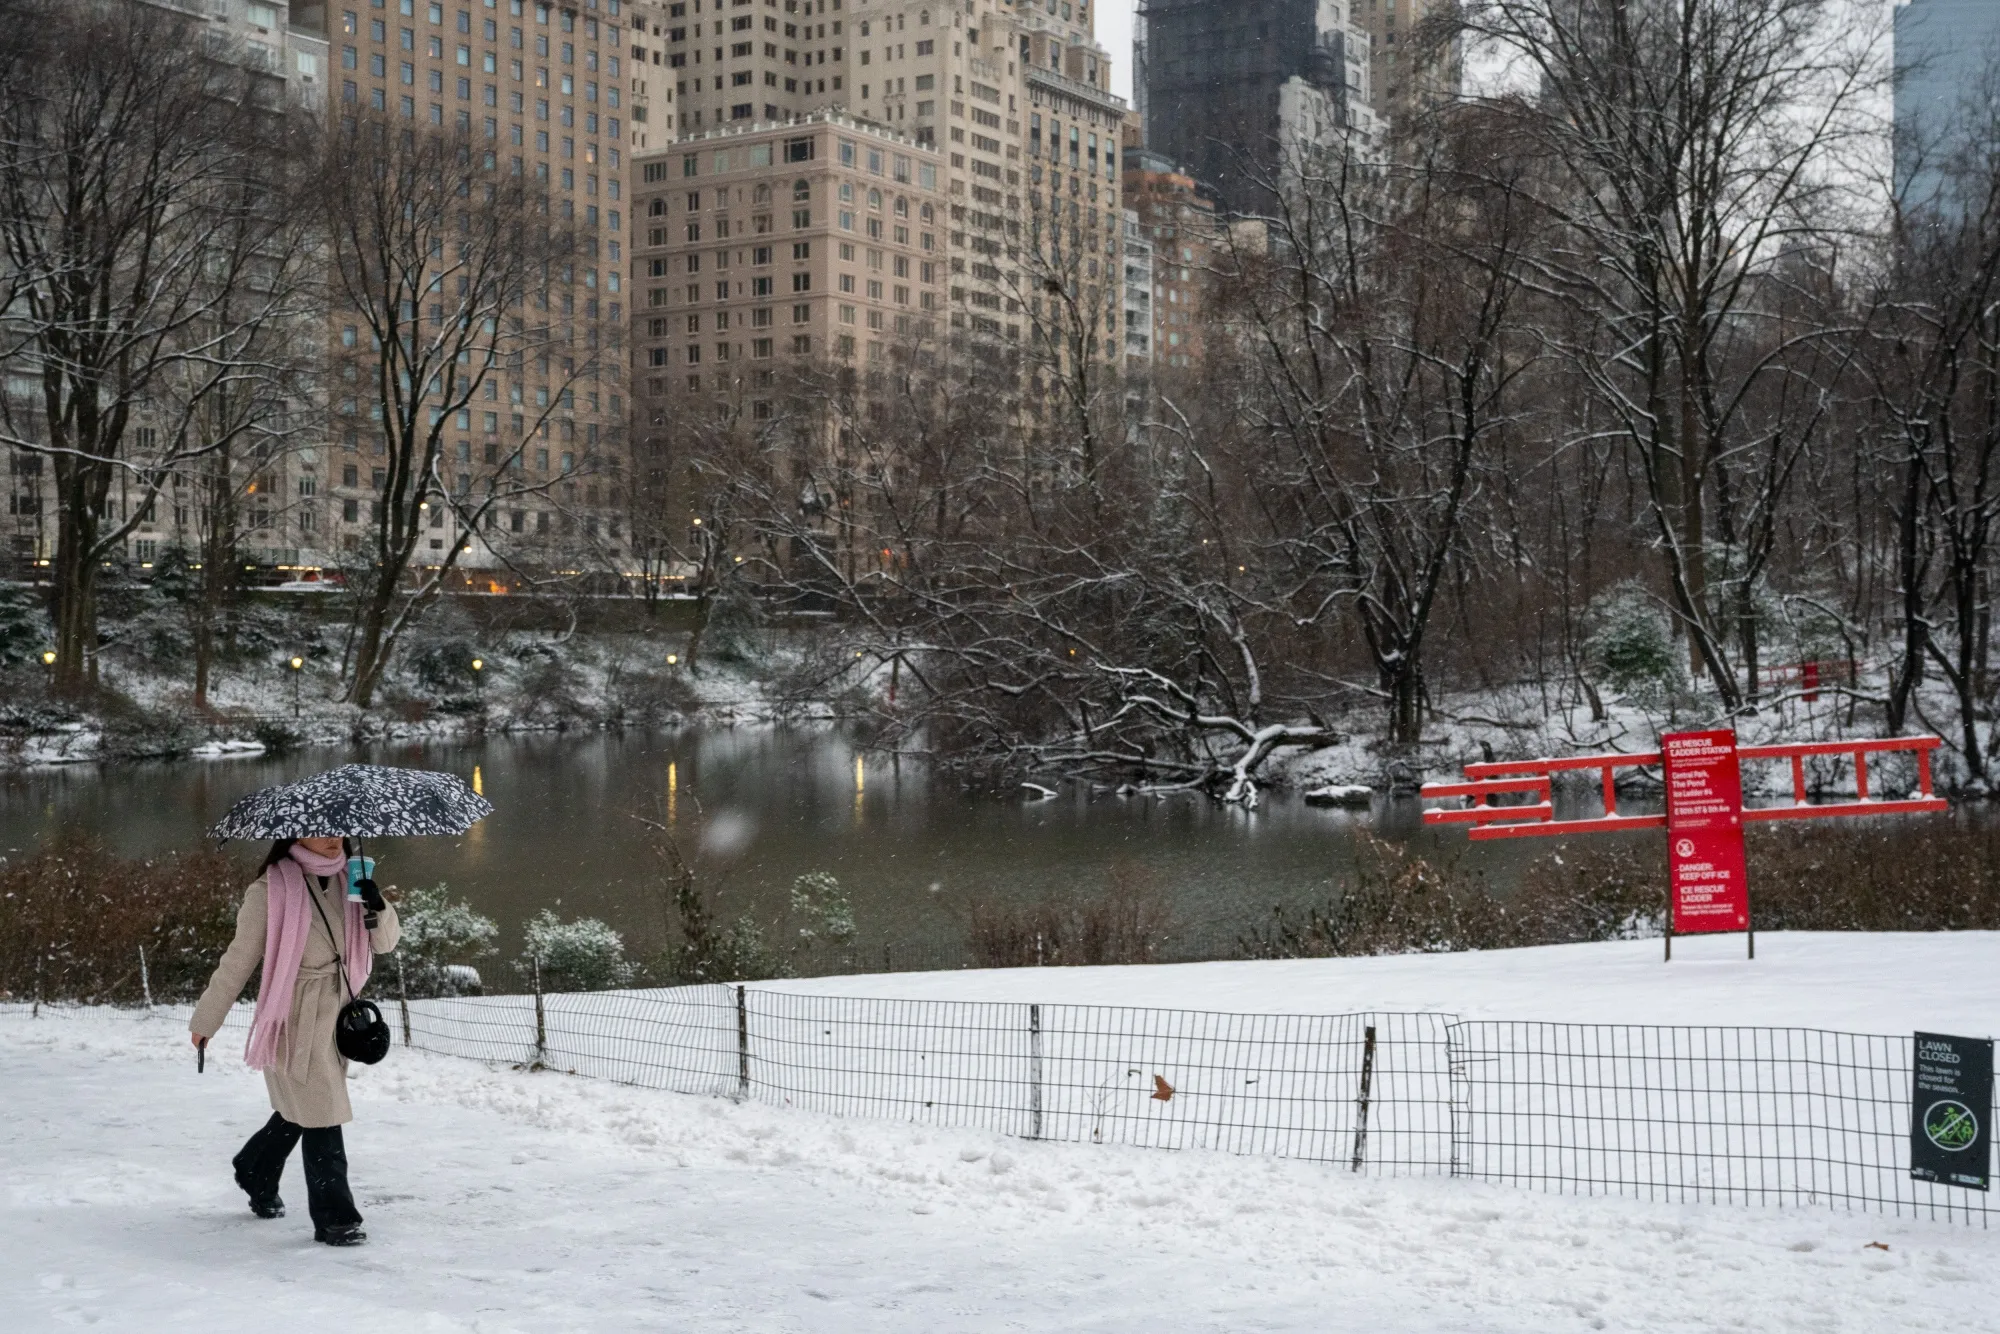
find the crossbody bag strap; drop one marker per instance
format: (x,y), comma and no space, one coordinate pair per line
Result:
(337,966)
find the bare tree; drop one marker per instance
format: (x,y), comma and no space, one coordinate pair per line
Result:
(1690,150)
(450,266)
(152,243)
(1934,373)
(1389,336)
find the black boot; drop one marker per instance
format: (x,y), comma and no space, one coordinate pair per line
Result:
(261,1163)
(335,1219)
(342,1235)
(268,1206)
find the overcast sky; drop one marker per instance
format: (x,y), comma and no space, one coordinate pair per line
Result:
(1114,30)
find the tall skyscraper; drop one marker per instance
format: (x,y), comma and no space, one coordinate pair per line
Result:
(1237,89)
(1947,68)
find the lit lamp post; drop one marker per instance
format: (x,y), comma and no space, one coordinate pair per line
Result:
(49,661)
(298,666)
(673,659)
(479,676)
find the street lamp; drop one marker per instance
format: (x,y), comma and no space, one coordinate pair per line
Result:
(48,657)
(673,659)
(479,664)
(298,665)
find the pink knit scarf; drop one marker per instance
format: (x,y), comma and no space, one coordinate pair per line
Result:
(288,921)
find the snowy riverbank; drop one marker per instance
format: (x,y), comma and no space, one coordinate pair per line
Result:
(501,1200)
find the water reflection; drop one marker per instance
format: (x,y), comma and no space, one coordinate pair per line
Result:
(761,806)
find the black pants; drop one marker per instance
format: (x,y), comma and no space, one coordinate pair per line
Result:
(262,1162)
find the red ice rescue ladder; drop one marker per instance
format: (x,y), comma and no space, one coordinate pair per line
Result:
(1704,818)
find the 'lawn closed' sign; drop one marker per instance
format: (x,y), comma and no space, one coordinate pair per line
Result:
(1951,1087)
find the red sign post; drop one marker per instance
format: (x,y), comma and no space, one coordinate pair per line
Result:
(1704,819)
(1707,883)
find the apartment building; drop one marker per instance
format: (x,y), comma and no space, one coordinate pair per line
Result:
(1076,219)
(973,81)
(1402,75)
(543,85)
(1177,217)
(1138,295)
(778,246)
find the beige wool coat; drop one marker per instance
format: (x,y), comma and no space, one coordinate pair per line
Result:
(308,1086)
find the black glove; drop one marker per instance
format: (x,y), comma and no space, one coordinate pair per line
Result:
(371,895)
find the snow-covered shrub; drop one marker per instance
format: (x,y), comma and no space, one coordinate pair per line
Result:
(584,955)
(821,908)
(734,619)
(131,731)
(648,699)
(439,650)
(24,626)
(444,666)
(147,624)
(439,935)
(550,693)
(276,735)
(1631,645)
(708,951)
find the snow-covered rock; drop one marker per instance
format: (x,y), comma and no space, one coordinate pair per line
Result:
(1339,794)
(227,750)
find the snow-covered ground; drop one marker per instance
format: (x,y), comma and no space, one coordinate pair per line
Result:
(502,1200)
(1849,981)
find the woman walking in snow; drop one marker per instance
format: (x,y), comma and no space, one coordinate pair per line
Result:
(287,922)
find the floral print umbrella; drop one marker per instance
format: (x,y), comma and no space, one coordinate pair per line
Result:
(357,801)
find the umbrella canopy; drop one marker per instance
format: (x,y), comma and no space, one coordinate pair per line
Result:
(358,801)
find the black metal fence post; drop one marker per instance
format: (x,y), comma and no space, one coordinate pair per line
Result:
(403,997)
(1034,1072)
(541,1019)
(742,1044)
(1460,1079)
(1361,1103)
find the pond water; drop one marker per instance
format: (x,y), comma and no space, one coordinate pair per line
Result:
(758,807)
